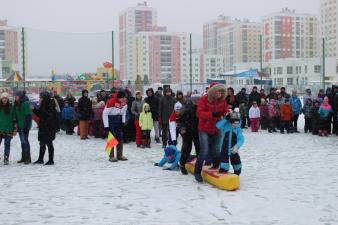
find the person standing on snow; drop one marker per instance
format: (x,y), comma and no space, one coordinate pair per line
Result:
(211,108)
(7,129)
(146,125)
(114,119)
(165,109)
(85,114)
(23,117)
(136,110)
(154,103)
(296,109)
(47,127)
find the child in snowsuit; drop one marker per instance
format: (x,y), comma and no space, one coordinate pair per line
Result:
(146,125)
(114,119)
(174,129)
(286,117)
(307,114)
(264,117)
(254,115)
(325,111)
(315,117)
(68,117)
(171,155)
(273,116)
(232,141)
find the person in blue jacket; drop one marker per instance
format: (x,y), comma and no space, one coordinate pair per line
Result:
(296,109)
(232,140)
(171,155)
(68,117)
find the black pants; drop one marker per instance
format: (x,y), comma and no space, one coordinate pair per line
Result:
(235,160)
(335,122)
(145,134)
(188,139)
(285,125)
(295,122)
(278,122)
(69,127)
(315,125)
(243,122)
(96,126)
(165,131)
(43,150)
(308,125)
(272,124)
(264,123)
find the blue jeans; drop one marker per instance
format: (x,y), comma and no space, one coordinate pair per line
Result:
(25,146)
(7,144)
(209,145)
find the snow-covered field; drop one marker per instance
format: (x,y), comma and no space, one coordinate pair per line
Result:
(287,179)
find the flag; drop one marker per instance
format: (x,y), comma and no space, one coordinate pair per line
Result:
(111,143)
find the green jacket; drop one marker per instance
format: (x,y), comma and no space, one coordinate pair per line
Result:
(7,121)
(146,119)
(22,113)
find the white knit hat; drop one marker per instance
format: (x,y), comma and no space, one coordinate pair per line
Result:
(4,95)
(177,106)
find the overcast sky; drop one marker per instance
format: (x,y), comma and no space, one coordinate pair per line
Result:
(96,16)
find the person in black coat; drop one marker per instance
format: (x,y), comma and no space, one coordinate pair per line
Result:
(47,129)
(129,129)
(254,97)
(85,113)
(154,102)
(187,122)
(166,107)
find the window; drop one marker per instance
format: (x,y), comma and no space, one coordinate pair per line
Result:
(317,68)
(279,70)
(305,69)
(279,81)
(289,70)
(289,81)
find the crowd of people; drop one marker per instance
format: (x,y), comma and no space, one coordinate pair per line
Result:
(212,122)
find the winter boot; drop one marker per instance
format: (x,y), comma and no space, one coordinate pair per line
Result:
(325,133)
(41,155)
(22,160)
(49,163)
(28,158)
(144,143)
(148,143)
(320,133)
(157,140)
(164,144)
(198,177)
(120,153)
(183,170)
(39,161)
(6,161)
(221,170)
(111,156)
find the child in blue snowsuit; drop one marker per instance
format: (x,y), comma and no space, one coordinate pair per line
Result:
(232,140)
(171,155)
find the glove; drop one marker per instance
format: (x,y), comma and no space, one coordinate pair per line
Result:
(107,129)
(167,168)
(156,164)
(228,116)
(173,142)
(234,150)
(216,114)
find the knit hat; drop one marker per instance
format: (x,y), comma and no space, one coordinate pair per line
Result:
(170,150)
(235,116)
(177,106)
(121,94)
(4,95)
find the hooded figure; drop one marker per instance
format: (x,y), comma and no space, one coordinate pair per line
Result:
(325,111)
(23,116)
(47,127)
(85,114)
(154,102)
(146,125)
(166,108)
(211,108)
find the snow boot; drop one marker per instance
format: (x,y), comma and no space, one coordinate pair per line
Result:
(111,156)
(320,133)
(22,160)
(157,140)
(28,158)
(39,161)
(6,161)
(183,170)
(120,153)
(221,170)
(164,145)
(148,143)
(325,133)
(198,177)
(144,143)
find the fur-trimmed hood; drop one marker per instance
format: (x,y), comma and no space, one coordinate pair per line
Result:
(214,88)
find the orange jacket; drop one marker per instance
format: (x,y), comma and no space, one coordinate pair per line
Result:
(286,112)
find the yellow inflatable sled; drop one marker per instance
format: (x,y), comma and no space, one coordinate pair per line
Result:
(228,182)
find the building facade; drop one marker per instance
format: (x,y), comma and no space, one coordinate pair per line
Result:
(239,43)
(132,21)
(288,34)
(329,23)
(8,43)
(210,30)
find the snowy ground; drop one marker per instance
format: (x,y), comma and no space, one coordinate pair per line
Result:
(287,179)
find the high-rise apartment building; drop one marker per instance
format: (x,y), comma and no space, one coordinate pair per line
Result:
(329,23)
(210,30)
(132,21)
(8,43)
(288,34)
(239,43)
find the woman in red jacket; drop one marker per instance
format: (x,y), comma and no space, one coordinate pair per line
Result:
(211,108)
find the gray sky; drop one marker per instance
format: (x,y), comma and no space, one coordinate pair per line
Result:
(85,52)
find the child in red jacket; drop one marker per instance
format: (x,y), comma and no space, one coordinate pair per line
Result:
(286,117)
